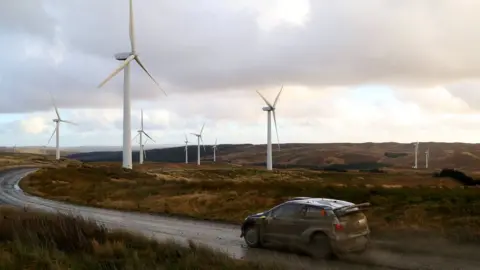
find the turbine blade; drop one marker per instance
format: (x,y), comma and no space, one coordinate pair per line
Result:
(148,136)
(54,105)
(135,136)
(54,130)
(69,122)
(194,134)
(264,99)
(148,73)
(278,95)
(202,129)
(132,30)
(276,130)
(215,142)
(203,144)
(186,139)
(120,68)
(141,124)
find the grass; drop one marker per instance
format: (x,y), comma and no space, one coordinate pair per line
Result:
(400,201)
(30,240)
(12,160)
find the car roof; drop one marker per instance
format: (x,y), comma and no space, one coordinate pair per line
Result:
(322,202)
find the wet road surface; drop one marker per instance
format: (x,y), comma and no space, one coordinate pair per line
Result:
(219,236)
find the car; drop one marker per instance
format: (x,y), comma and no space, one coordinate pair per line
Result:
(323,227)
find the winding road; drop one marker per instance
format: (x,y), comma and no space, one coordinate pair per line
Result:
(220,236)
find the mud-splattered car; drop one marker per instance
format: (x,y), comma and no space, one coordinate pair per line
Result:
(322,227)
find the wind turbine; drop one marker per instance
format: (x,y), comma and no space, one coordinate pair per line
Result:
(214,147)
(143,150)
(269,109)
(415,166)
(427,156)
(56,131)
(141,132)
(128,57)
(186,149)
(199,138)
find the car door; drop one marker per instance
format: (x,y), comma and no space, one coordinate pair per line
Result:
(281,222)
(313,218)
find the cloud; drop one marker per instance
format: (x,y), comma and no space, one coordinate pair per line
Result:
(380,67)
(239,46)
(34,125)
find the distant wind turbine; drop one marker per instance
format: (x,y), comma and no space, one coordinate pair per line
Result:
(199,138)
(271,108)
(128,57)
(56,131)
(141,132)
(186,149)
(144,152)
(415,166)
(427,156)
(214,147)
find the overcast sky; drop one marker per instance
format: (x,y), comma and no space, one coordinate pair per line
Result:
(353,71)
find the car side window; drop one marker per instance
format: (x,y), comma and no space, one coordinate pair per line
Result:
(315,212)
(287,211)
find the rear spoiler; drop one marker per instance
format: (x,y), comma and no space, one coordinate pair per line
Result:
(348,207)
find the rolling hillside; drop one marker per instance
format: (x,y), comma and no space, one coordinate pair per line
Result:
(338,155)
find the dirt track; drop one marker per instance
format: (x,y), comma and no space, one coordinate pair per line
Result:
(226,237)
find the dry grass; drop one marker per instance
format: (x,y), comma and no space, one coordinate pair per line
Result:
(30,240)
(12,160)
(230,195)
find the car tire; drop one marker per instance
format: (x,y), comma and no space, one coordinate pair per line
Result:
(320,247)
(252,237)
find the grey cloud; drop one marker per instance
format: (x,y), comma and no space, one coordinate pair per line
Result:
(217,46)
(26,16)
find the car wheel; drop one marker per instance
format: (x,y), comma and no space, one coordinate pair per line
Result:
(252,237)
(320,247)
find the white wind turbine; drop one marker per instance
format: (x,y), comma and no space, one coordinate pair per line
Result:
(271,108)
(415,166)
(186,149)
(143,150)
(128,57)
(199,138)
(141,132)
(214,147)
(427,156)
(56,131)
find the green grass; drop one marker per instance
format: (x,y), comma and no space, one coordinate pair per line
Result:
(36,241)
(230,195)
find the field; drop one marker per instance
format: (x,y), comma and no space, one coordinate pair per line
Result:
(11,160)
(30,240)
(402,200)
(339,155)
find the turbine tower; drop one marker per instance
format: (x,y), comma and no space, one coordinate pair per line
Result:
(427,156)
(141,132)
(214,147)
(186,149)
(128,57)
(56,131)
(269,109)
(415,166)
(199,138)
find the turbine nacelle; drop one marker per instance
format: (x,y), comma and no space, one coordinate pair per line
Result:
(123,56)
(266,109)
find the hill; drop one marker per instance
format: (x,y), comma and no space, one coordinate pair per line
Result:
(334,155)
